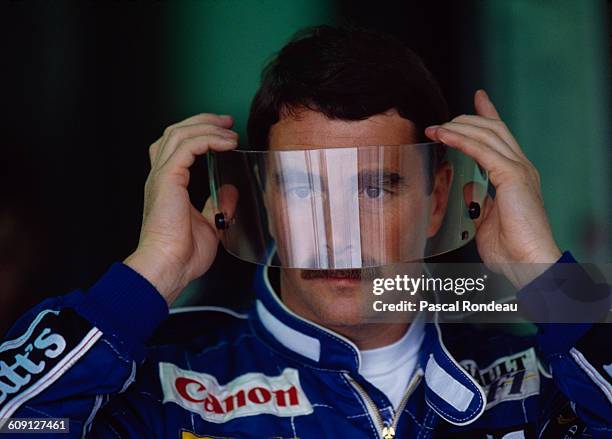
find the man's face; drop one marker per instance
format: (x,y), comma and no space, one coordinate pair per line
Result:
(346,207)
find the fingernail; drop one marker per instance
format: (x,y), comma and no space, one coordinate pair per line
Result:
(229,141)
(431,131)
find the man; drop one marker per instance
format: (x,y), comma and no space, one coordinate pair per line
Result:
(303,363)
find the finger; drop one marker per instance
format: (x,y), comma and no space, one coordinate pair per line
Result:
(493,161)
(209,211)
(220,120)
(154,149)
(485,210)
(180,134)
(227,197)
(498,126)
(484,135)
(180,161)
(484,106)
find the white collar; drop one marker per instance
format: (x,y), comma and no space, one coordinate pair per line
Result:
(384,359)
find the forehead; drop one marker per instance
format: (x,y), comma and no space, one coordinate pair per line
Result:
(311,129)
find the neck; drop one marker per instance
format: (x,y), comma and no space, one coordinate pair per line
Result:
(371,335)
(363,335)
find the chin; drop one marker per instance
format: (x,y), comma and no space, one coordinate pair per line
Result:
(339,306)
(328,302)
(341,318)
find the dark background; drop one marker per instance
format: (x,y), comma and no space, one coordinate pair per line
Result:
(87,86)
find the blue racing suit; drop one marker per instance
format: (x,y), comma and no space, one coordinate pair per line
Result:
(117,365)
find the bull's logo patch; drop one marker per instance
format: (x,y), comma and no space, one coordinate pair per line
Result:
(249,394)
(508,378)
(565,424)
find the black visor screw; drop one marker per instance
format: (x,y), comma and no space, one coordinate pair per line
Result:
(474,210)
(220,222)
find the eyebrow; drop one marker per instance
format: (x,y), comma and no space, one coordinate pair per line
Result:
(382,177)
(294,175)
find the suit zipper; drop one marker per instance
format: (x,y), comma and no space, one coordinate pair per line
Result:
(386,431)
(370,405)
(416,379)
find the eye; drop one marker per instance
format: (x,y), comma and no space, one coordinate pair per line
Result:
(300,192)
(374,192)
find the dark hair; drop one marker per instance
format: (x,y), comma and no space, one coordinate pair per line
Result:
(348,74)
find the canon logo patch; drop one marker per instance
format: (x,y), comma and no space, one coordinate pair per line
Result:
(246,395)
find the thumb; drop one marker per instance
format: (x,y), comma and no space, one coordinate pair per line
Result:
(483,105)
(227,196)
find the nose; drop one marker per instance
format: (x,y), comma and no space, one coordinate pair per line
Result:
(341,209)
(342,237)
(342,256)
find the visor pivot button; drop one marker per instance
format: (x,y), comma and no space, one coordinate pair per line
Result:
(220,222)
(474,210)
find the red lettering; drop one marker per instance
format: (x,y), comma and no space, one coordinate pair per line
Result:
(234,401)
(181,386)
(259,395)
(281,400)
(212,404)
(195,391)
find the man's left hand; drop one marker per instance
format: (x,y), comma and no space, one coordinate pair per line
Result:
(513,229)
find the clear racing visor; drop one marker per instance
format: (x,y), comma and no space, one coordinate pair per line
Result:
(345,207)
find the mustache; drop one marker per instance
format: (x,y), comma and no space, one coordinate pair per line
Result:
(342,273)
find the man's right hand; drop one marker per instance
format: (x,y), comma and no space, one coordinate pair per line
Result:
(177,242)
